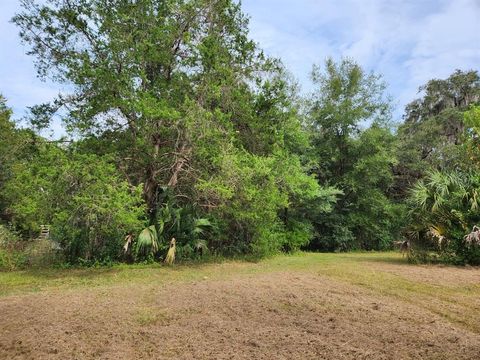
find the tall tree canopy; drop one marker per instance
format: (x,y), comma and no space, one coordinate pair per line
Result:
(139,70)
(181,127)
(433,127)
(437,169)
(348,117)
(188,105)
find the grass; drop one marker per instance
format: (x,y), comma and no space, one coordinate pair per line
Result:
(387,274)
(51,279)
(149,316)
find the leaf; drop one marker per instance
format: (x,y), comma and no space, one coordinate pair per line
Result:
(201,225)
(161,226)
(170,258)
(201,246)
(148,241)
(203,222)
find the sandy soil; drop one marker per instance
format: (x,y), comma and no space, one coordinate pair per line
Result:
(277,315)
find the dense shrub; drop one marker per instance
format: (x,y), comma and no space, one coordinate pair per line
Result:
(89,207)
(258,203)
(444,208)
(11,250)
(17,253)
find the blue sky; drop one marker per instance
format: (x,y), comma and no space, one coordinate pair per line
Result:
(408,41)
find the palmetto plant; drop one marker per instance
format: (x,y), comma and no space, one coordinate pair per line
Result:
(172,223)
(436,190)
(147,242)
(150,238)
(440,199)
(443,207)
(201,226)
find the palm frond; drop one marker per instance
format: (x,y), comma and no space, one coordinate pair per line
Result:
(200,246)
(473,238)
(170,258)
(148,241)
(437,233)
(200,225)
(128,243)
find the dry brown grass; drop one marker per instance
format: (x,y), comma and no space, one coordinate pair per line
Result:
(307,306)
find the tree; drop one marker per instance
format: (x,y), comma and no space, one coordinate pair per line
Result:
(471,121)
(433,128)
(15,144)
(444,204)
(348,117)
(137,69)
(184,101)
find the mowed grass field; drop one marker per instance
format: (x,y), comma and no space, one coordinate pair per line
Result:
(303,306)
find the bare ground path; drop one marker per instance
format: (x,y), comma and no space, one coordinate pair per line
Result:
(308,306)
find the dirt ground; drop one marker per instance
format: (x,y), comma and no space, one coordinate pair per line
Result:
(282,312)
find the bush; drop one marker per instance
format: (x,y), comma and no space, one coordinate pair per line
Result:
(335,238)
(12,256)
(97,215)
(42,253)
(17,253)
(297,235)
(85,200)
(444,207)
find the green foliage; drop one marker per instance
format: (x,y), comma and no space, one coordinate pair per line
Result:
(433,131)
(136,69)
(443,209)
(100,211)
(15,144)
(251,192)
(353,157)
(90,208)
(185,129)
(17,253)
(182,223)
(471,122)
(185,103)
(147,243)
(42,253)
(11,250)
(438,145)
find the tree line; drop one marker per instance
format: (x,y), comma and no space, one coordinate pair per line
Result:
(180,126)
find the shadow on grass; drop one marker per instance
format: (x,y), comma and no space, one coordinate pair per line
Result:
(92,273)
(55,273)
(387,258)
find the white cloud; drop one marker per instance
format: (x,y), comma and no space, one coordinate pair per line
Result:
(18,80)
(447,40)
(22,89)
(409,42)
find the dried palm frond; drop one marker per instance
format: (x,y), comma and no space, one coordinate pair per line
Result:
(200,247)
(436,233)
(473,238)
(128,243)
(170,258)
(403,246)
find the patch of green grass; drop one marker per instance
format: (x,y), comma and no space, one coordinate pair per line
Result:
(338,265)
(151,316)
